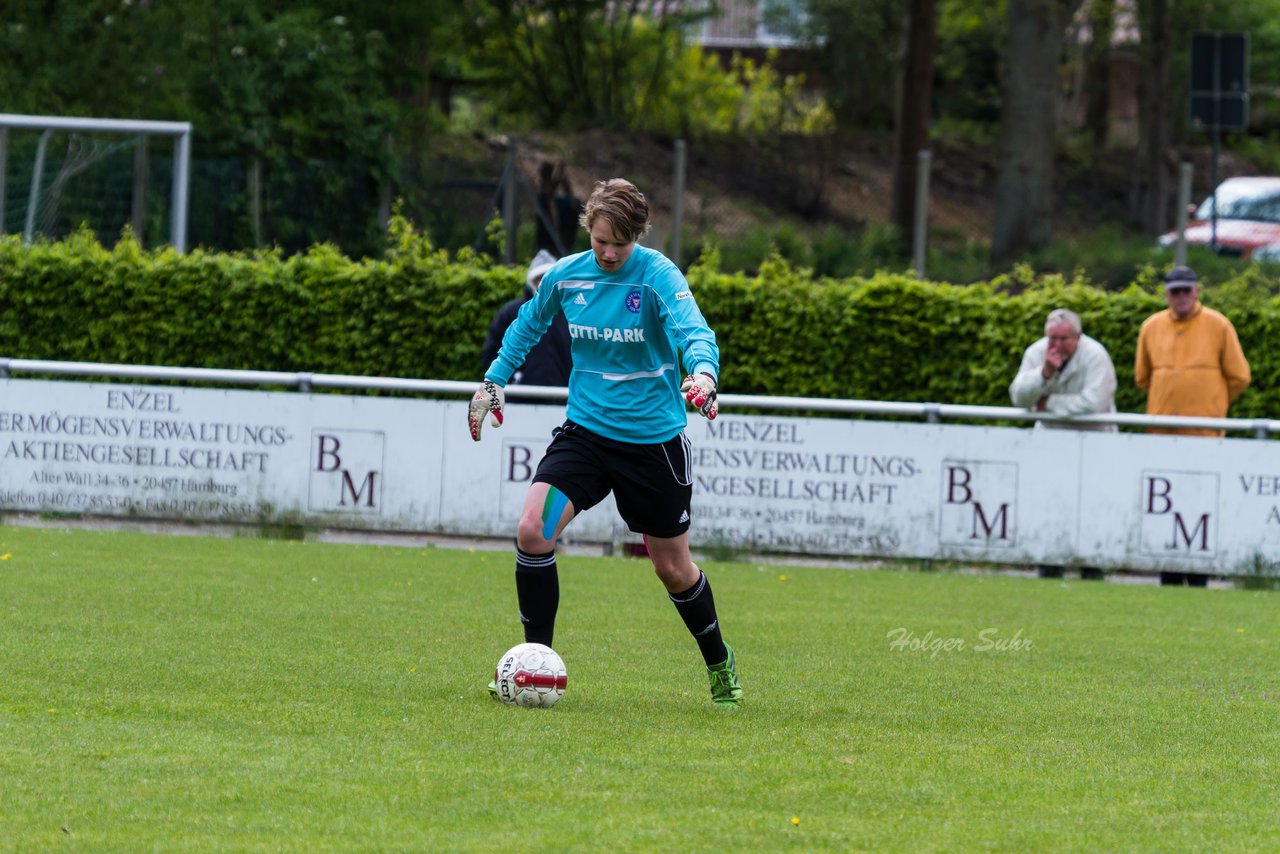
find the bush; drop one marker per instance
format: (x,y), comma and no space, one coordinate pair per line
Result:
(417,312)
(414,313)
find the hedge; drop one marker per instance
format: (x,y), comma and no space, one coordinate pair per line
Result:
(417,312)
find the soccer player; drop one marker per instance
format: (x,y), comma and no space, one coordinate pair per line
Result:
(631,315)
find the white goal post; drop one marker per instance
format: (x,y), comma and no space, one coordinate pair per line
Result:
(181,131)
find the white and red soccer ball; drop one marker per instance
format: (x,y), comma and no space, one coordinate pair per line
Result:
(530,674)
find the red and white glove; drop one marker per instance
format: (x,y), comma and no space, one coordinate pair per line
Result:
(700,391)
(488,399)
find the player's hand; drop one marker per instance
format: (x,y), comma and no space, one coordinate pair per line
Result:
(487,399)
(700,391)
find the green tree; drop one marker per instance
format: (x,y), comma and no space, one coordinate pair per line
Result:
(914,111)
(967,86)
(1028,128)
(1152,178)
(304,94)
(1101,16)
(859,48)
(581,62)
(425,57)
(81,57)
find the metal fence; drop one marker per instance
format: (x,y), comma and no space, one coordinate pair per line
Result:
(807,197)
(1261,428)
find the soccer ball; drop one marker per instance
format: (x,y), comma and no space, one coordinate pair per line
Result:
(530,674)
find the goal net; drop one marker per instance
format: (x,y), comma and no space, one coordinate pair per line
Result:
(58,174)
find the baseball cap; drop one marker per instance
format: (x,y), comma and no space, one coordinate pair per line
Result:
(1180,276)
(542,262)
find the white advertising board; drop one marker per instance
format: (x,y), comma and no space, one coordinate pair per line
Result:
(820,486)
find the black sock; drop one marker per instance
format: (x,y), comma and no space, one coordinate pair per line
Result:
(698,610)
(538,591)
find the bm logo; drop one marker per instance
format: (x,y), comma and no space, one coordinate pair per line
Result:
(978,503)
(346,471)
(519,461)
(520,458)
(1178,513)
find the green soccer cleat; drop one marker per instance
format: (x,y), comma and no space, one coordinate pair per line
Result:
(726,690)
(493,688)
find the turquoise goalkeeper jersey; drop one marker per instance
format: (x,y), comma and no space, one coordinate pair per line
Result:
(627,331)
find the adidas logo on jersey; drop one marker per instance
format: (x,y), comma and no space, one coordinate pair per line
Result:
(580,300)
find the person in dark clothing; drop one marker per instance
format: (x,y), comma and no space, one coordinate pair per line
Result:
(558,210)
(548,363)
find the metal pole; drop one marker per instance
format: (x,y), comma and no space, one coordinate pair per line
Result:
(509,200)
(255,199)
(37,175)
(677,200)
(4,170)
(1184,199)
(920,227)
(13,120)
(181,176)
(1217,122)
(384,187)
(1213,179)
(138,211)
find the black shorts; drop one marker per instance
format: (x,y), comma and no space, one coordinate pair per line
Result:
(652,484)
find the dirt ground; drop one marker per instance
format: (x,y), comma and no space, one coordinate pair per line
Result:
(738,185)
(734,186)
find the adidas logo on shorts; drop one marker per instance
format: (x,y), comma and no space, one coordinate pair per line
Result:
(684,517)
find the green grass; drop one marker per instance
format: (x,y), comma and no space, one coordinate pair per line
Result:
(189,693)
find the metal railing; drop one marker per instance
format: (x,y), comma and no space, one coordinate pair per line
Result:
(303,381)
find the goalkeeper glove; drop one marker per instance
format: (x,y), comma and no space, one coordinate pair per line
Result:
(490,399)
(700,391)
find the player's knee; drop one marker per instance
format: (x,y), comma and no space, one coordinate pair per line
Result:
(529,536)
(663,572)
(667,569)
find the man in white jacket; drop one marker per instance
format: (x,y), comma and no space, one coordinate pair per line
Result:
(1066,373)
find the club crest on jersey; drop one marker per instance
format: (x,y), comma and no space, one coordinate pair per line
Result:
(633,301)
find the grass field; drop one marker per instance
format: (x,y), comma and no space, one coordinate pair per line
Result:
(185,693)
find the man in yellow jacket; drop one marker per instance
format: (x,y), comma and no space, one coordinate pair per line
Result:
(1189,360)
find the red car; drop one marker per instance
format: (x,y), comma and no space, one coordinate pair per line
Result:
(1248,220)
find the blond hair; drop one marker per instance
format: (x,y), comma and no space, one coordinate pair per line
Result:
(621,204)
